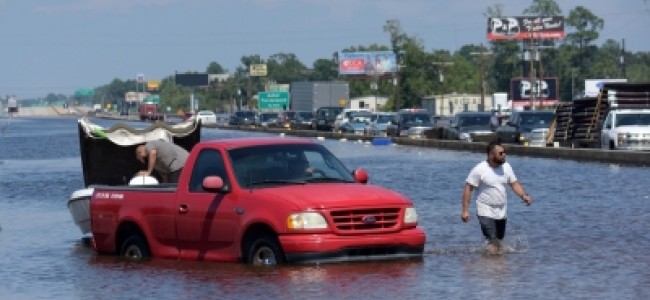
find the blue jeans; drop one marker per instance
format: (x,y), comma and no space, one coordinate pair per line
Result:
(493,229)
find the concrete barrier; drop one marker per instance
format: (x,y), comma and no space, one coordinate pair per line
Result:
(635,158)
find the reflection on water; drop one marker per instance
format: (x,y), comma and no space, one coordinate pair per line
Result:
(586,236)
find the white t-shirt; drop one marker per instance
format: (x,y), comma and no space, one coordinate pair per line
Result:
(490,184)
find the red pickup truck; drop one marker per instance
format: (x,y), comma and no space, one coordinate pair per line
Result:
(262,201)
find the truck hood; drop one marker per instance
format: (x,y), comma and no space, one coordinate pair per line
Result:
(334,195)
(529,128)
(633,128)
(477,128)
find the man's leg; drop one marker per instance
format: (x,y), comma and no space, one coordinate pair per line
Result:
(493,230)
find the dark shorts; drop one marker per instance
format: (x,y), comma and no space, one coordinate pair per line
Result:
(493,229)
(173,176)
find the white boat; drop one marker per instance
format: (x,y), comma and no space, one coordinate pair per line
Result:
(79,206)
(108,158)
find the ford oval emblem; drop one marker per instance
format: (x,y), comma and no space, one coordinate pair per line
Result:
(369,219)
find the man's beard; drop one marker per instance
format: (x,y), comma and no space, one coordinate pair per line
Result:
(499,161)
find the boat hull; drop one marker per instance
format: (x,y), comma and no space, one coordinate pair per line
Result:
(79,206)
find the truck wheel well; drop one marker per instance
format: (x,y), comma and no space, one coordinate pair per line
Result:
(125,230)
(253,232)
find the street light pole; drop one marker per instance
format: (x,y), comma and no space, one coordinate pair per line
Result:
(482,54)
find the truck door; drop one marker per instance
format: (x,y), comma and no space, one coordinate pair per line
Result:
(207,222)
(604,134)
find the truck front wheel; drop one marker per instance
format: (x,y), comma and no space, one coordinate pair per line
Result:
(135,248)
(265,251)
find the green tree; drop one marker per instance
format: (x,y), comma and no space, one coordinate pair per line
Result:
(285,68)
(543,8)
(324,70)
(215,68)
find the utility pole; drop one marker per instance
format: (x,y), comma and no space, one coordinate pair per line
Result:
(482,54)
(441,76)
(622,61)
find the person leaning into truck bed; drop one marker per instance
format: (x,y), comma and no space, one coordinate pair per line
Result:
(165,157)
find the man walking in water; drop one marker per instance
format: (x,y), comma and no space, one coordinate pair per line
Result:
(489,177)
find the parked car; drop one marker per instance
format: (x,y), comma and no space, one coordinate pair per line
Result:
(174,119)
(356,123)
(324,117)
(344,117)
(285,118)
(267,119)
(244,117)
(302,120)
(471,126)
(379,123)
(526,127)
(207,118)
(416,120)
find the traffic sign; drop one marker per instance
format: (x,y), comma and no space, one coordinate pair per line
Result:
(273,100)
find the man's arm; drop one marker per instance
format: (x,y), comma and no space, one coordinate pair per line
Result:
(467,195)
(519,190)
(151,162)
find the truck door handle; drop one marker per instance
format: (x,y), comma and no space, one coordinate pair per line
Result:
(183,208)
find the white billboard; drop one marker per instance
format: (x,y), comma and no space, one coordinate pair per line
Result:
(592,86)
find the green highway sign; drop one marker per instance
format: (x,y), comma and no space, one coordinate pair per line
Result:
(273,100)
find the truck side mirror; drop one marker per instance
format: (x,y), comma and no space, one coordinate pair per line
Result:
(215,184)
(360,175)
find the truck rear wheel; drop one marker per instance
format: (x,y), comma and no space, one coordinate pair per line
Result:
(265,251)
(135,248)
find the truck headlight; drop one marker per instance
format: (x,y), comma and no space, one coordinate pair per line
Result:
(306,220)
(410,216)
(465,136)
(622,137)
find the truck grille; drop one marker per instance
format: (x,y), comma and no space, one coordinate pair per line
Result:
(370,219)
(538,137)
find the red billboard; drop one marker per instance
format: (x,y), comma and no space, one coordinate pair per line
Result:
(525,28)
(367,64)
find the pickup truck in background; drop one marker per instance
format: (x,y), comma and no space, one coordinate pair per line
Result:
(262,201)
(626,129)
(526,127)
(150,112)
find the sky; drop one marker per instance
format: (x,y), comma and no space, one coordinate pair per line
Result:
(59,46)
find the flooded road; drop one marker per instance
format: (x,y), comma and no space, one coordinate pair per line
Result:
(586,235)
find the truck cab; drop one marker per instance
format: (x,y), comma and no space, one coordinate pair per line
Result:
(626,129)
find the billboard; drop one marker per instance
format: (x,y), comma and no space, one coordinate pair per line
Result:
(258,70)
(153,85)
(543,90)
(523,28)
(593,86)
(135,96)
(192,79)
(367,64)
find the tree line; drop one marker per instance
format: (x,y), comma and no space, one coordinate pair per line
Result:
(423,73)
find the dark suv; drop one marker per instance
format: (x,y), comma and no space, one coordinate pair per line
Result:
(410,122)
(324,117)
(243,118)
(526,127)
(471,126)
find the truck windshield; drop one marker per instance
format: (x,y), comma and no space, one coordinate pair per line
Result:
(633,120)
(537,119)
(475,121)
(271,165)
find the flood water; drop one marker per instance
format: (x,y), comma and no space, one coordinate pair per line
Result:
(586,236)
